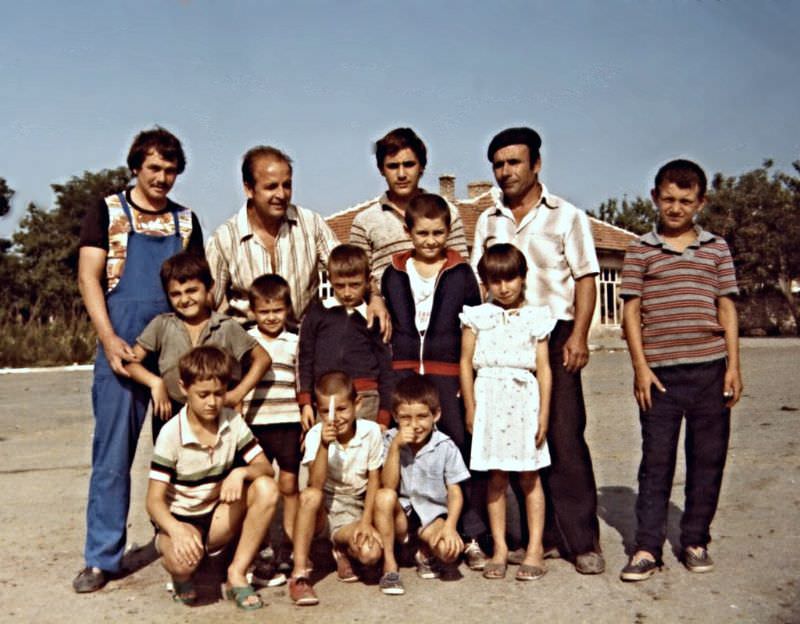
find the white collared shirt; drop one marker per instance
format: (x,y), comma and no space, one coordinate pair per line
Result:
(557,241)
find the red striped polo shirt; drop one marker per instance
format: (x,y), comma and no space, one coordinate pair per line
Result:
(679,293)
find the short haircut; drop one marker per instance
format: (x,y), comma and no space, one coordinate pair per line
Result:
(516,136)
(159,140)
(203,363)
(256,153)
(427,206)
(185,266)
(334,382)
(400,139)
(415,389)
(684,174)
(268,287)
(502,261)
(348,261)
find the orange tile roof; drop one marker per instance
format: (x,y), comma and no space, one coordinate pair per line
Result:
(606,236)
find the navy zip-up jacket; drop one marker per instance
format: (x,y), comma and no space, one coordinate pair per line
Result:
(437,352)
(331,339)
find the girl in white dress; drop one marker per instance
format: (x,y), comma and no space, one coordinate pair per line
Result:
(505,342)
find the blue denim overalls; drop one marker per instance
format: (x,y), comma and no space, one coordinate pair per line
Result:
(119,403)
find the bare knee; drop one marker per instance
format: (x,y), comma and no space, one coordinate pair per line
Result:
(311,497)
(528,481)
(262,492)
(287,484)
(385,500)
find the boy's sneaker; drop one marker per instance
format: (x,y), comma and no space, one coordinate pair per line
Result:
(301,592)
(265,571)
(391,585)
(474,556)
(425,566)
(639,570)
(344,568)
(698,560)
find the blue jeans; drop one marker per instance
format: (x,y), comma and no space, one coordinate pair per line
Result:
(694,392)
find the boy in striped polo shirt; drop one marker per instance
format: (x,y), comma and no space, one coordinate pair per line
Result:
(197,499)
(682,332)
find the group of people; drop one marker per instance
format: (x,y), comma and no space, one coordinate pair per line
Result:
(416,395)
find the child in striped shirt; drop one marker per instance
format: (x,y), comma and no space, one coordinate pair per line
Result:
(209,482)
(272,411)
(682,332)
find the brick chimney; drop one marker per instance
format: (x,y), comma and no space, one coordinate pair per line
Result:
(478,188)
(447,186)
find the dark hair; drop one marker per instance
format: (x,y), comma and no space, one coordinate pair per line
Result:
(348,261)
(185,266)
(400,139)
(516,136)
(415,389)
(270,286)
(334,382)
(206,362)
(427,206)
(684,174)
(159,140)
(256,153)
(502,261)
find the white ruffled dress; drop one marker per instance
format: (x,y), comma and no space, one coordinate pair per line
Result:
(506,390)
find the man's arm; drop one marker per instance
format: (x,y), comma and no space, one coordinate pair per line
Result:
(643,376)
(576,348)
(91,270)
(726,314)
(220,272)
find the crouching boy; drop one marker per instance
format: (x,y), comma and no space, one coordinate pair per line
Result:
(196,498)
(344,456)
(421,472)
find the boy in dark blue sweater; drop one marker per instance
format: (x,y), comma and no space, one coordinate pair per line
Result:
(425,290)
(334,336)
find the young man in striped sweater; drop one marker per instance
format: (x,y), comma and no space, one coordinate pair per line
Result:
(682,332)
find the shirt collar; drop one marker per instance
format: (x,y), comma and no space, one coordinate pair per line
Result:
(332,302)
(358,437)
(437,437)
(187,434)
(654,238)
(545,199)
(243,223)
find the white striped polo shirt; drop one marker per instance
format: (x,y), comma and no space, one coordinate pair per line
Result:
(195,472)
(679,293)
(274,399)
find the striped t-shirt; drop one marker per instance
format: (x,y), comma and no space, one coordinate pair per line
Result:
(274,399)
(679,293)
(195,472)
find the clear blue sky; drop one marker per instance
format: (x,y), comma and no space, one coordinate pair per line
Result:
(615,88)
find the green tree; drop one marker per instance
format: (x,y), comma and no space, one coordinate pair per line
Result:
(5,197)
(637,216)
(758,213)
(47,242)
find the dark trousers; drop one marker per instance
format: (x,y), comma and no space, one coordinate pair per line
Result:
(569,485)
(694,392)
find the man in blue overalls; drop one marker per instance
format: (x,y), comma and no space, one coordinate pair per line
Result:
(124,240)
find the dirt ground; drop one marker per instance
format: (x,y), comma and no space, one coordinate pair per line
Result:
(45,436)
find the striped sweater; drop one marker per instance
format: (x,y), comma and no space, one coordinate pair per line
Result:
(679,293)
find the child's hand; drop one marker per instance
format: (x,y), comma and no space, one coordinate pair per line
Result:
(449,541)
(162,406)
(328,433)
(187,545)
(365,535)
(232,487)
(541,434)
(732,388)
(307,417)
(643,379)
(405,435)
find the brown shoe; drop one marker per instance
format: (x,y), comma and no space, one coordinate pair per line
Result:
(301,592)
(590,563)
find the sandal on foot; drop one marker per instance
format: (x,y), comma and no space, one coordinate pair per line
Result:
(241,594)
(530,572)
(184,592)
(494,571)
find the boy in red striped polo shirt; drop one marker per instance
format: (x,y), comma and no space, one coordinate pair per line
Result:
(683,336)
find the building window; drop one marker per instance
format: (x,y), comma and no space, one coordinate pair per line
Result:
(610,302)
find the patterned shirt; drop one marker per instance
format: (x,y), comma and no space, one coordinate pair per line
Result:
(679,293)
(379,230)
(556,239)
(237,256)
(195,472)
(274,399)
